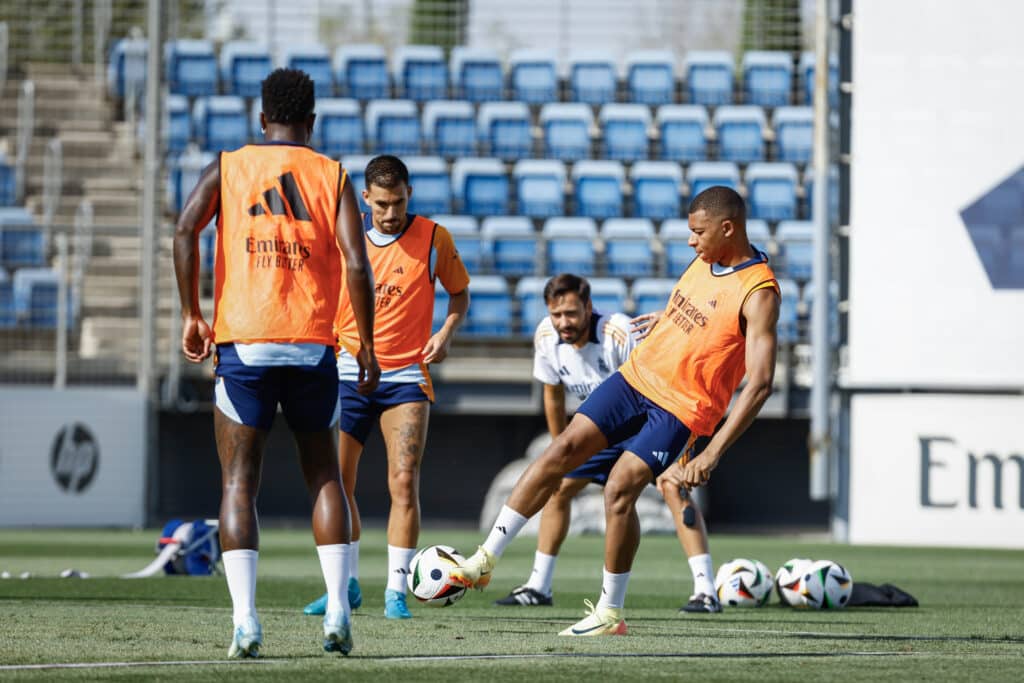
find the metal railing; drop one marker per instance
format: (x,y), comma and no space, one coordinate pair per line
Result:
(53,184)
(25,128)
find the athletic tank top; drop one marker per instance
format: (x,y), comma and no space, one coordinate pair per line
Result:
(695,358)
(277,269)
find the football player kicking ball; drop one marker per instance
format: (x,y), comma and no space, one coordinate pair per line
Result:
(718,324)
(575,349)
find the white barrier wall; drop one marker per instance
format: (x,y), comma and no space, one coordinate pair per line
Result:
(72,458)
(936,125)
(938,470)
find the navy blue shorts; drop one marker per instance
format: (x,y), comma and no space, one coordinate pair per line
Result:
(250,394)
(621,412)
(359,413)
(598,467)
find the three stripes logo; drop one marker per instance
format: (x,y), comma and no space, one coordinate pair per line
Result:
(399,270)
(282,205)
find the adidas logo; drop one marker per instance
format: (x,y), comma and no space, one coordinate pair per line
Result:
(399,270)
(402,570)
(713,303)
(281,206)
(503,530)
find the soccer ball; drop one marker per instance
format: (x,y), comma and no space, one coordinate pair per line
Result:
(743,583)
(788,582)
(835,581)
(428,576)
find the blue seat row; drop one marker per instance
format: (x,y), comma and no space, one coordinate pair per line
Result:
(22,243)
(454,128)
(29,299)
(478,74)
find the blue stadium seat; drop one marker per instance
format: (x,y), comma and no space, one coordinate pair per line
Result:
(592,77)
(703,174)
(532,76)
(220,122)
(627,247)
(833,192)
(608,294)
(740,132)
(709,77)
(512,243)
(243,66)
(191,67)
(441,299)
(179,123)
(767,77)
(362,72)
(338,128)
(651,77)
(788,328)
(651,294)
(569,245)
(674,236)
(8,314)
(183,175)
(794,133)
(657,189)
(532,309)
(431,185)
(126,67)
(255,130)
(796,244)
(420,72)
(624,128)
(566,129)
(772,190)
(22,243)
(315,60)
(208,247)
(480,186)
(807,61)
(476,74)
(682,132)
(35,297)
(7,182)
(355,166)
(490,312)
(449,127)
(598,188)
(468,241)
(504,129)
(760,235)
(393,127)
(540,187)
(833,309)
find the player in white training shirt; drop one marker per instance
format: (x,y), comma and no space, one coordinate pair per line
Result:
(575,349)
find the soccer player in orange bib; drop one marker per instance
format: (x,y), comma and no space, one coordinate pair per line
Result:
(409,254)
(718,324)
(283,211)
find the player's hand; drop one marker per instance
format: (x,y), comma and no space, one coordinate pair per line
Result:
(369,371)
(697,471)
(644,324)
(436,348)
(196,339)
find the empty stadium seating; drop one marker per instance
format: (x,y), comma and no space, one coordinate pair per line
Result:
(740,131)
(787,327)
(21,241)
(338,128)
(532,76)
(539,187)
(220,122)
(355,166)
(767,77)
(504,128)
(243,66)
(651,76)
(449,127)
(420,72)
(393,126)
(794,133)
(190,67)
(651,294)
(512,243)
(476,74)
(569,245)
(760,235)
(8,315)
(682,132)
(466,234)
(598,188)
(624,127)
(709,77)
(480,186)
(592,77)
(126,67)
(772,191)
(431,185)
(362,71)
(491,312)
(657,189)
(179,123)
(627,247)
(566,129)
(608,295)
(701,175)
(674,235)
(796,245)
(532,309)
(7,181)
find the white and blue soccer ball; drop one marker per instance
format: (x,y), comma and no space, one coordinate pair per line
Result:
(743,583)
(836,583)
(789,583)
(429,579)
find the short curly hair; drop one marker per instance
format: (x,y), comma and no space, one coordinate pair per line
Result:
(288,96)
(721,202)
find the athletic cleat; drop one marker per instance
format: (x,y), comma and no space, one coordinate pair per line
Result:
(337,633)
(702,603)
(317,608)
(247,640)
(475,572)
(394,605)
(526,597)
(355,594)
(600,621)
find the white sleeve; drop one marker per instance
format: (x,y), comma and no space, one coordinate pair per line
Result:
(621,343)
(543,365)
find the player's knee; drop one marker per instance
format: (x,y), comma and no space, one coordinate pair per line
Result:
(403,485)
(619,497)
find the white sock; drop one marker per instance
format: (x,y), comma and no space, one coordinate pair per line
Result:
(543,570)
(353,560)
(703,575)
(613,589)
(398,567)
(334,565)
(506,527)
(240,571)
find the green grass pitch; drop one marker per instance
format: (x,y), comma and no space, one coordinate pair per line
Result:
(970,625)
